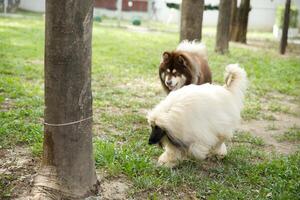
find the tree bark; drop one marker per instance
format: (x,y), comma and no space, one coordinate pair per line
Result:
(285,27)
(67,170)
(223,27)
(191,19)
(239,22)
(233,19)
(12,5)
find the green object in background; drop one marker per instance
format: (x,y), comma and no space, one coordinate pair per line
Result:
(206,6)
(136,21)
(293,16)
(97,19)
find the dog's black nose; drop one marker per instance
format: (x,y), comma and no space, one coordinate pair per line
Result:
(169,82)
(150,142)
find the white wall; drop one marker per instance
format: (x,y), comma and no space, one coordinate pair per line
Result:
(262,15)
(33,5)
(165,14)
(114,14)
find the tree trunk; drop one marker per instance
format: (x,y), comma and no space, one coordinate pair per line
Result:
(12,5)
(239,22)
(222,40)
(233,19)
(67,170)
(191,19)
(285,27)
(244,15)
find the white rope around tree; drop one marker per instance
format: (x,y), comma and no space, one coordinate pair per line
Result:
(69,123)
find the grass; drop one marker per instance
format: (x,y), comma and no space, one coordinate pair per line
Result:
(125,85)
(252,108)
(272,127)
(291,135)
(276,107)
(5,186)
(239,176)
(246,137)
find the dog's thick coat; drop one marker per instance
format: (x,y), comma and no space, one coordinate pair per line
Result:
(200,117)
(186,65)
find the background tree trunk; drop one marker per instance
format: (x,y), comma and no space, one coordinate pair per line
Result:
(239,22)
(9,6)
(67,170)
(233,13)
(285,27)
(191,19)
(222,40)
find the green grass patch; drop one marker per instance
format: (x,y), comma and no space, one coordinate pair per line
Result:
(244,172)
(5,186)
(276,107)
(272,127)
(252,109)
(246,137)
(291,135)
(268,117)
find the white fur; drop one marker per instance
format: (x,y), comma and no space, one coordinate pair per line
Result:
(201,116)
(162,75)
(193,47)
(176,81)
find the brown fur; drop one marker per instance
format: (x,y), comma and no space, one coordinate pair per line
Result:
(192,65)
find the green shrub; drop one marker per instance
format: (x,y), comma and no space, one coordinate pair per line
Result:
(136,21)
(293,16)
(98,18)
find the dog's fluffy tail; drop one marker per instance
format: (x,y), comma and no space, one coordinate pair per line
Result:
(193,47)
(236,79)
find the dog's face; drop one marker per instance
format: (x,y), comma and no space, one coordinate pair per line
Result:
(156,135)
(174,72)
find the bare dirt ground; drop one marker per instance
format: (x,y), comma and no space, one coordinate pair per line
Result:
(18,169)
(256,44)
(268,130)
(260,128)
(113,187)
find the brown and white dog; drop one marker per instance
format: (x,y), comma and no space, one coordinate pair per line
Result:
(183,66)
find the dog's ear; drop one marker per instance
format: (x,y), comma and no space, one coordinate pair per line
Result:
(182,60)
(156,135)
(166,56)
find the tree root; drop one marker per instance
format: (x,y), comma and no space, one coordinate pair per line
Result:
(47,186)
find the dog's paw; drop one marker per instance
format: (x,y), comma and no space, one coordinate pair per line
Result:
(221,152)
(166,162)
(220,157)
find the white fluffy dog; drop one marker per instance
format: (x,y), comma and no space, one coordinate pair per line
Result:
(196,119)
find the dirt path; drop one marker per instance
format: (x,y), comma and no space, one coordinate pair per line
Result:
(113,187)
(268,130)
(17,169)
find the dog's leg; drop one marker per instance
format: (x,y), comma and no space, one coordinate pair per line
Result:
(199,151)
(171,157)
(221,150)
